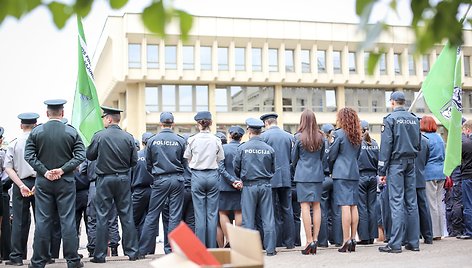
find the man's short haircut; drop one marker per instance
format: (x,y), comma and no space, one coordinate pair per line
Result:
(255,131)
(55,112)
(400,102)
(271,120)
(468,124)
(116,118)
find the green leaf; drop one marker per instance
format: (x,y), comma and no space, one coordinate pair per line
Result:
(83,7)
(4,9)
(418,7)
(60,13)
(155,18)
(32,4)
(117,4)
(186,22)
(17,8)
(364,18)
(362,4)
(372,62)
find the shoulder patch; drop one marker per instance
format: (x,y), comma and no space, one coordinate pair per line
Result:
(382,128)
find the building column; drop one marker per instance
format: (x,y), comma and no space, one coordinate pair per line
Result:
(340,97)
(212,104)
(278,104)
(134,113)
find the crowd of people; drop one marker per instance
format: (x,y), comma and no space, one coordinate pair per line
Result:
(337,181)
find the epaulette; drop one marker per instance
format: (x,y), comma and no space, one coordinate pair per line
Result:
(422,134)
(241,143)
(387,115)
(177,135)
(69,125)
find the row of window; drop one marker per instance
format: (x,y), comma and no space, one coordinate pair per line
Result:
(193,98)
(256,56)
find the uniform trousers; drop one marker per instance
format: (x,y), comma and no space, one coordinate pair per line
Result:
(188,216)
(140,198)
(285,227)
(171,187)
(21,221)
(435,195)
(115,188)
(386,213)
(402,197)
(205,194)
(367,228)
(297,212)
(467,202)
(426,227)
(258,198)
(6,226)
(331,227)
(81,200)
(53,197)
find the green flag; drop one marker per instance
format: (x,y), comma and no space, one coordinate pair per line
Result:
(443,95)
(86,113)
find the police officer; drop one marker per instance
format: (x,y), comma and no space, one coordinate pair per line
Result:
(82,185)
(399,147)
(115,153)
(165,161)
(368,165)
(54,150)
(23,175)
(141,181)
(282,143)
(254,165)
(426,226)
(203,152)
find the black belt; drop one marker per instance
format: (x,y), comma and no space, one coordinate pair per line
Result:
(29,178)
(208,169)
(256,183)
(401,161)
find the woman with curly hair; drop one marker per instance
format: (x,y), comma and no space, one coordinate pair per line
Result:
(343,154)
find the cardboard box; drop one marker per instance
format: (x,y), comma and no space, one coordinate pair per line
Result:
(245,251)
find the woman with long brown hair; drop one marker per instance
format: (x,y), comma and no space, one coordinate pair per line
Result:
(308,156)
(343,154)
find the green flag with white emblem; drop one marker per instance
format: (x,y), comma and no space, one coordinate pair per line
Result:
(86,113)
(443,95)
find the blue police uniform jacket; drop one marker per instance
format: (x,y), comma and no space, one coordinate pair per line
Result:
(421,161)
(368,157)
(140,176)
(165,153)
(434,169)
(282,143)
(81,181)
(226,169)
(254,161)
(342,157)
(308,166)
(400,138)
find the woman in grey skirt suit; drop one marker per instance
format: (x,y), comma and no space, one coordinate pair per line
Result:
(343,154)
(308,162)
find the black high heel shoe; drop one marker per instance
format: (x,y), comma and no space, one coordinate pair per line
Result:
(314,247)
(346,247)
(353,245)
(308,248)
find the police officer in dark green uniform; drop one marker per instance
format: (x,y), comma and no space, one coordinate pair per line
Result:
(54,150)
(115,153)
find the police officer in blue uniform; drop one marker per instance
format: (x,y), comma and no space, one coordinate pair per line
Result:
(54,150)
(165,161)
(141,181)
(116,154)
(282,142)
(254,165)
(399,147)
(368,165)
(426,226)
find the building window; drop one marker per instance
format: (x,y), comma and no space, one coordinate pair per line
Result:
(205,58)
(321,60)
(289,60)
(467,101)
(383,64)
(134,55)
(397,64)
(171,57)
(240,59)
(244,99)
(425,64)
(305,59)
(411,65)
(223,59)
(152,56)
(467,66)
(176,98)
(297,99)
(372,100)
(352,63)
(188,57)
(337,61)
(256,59)
(273,60)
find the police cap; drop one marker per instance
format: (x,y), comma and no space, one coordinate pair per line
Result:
(221,135)
(236,129)
(269,115)
(204,115)
(55,104)
(326,128)
(167,117)
(28,118)
(397,96)
(1,132)
(254,123)
(109,110)
(146,136)
(364,124)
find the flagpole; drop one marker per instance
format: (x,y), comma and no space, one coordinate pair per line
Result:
(420,93)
